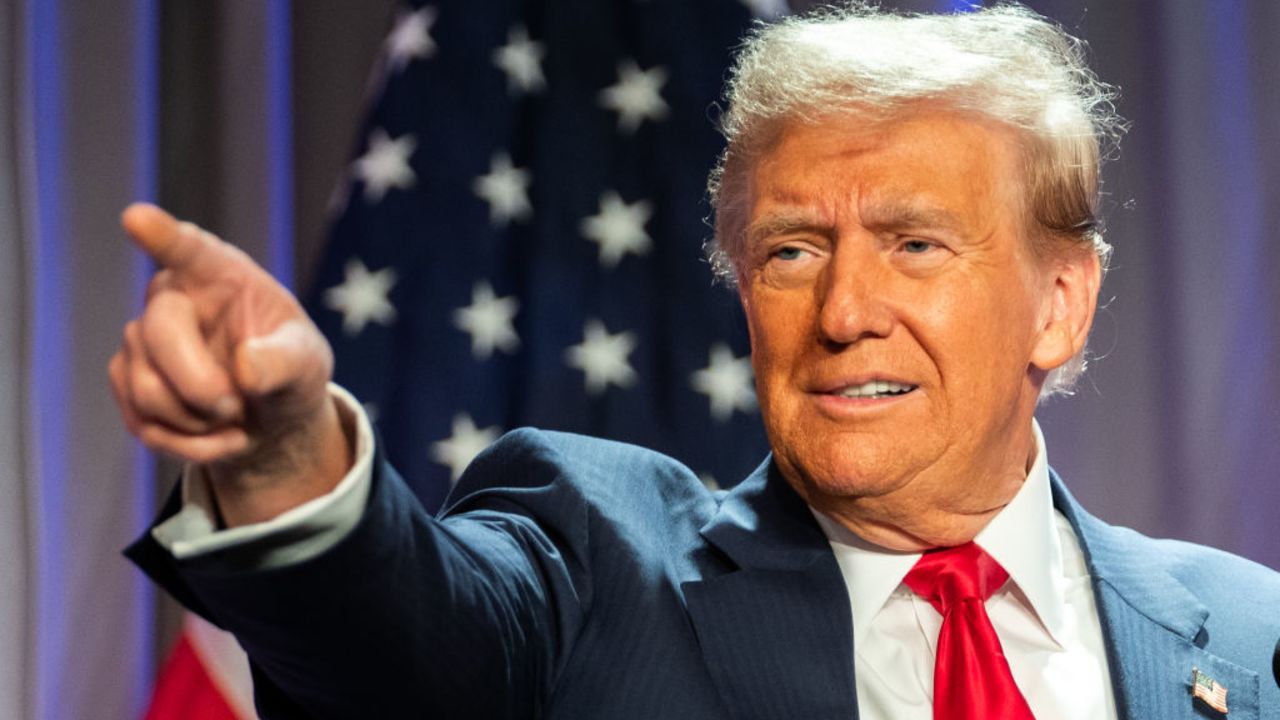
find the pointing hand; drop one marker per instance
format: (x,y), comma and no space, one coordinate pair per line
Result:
(223,367)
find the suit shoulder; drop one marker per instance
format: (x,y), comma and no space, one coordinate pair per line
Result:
(1227,570)
(579,454)
(574,448)
(1232,587)
(593,469)
(1203,565)
(1211,573)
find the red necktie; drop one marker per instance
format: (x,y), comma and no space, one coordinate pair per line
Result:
(971,678)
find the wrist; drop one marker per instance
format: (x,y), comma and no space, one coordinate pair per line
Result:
(300,464)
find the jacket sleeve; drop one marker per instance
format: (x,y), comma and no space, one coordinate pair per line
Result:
(466,615)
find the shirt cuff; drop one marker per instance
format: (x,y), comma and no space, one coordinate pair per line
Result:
(293,536)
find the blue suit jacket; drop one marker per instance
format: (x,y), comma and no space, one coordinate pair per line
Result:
(577,578)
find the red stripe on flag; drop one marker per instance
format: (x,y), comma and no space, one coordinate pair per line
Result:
(185,690)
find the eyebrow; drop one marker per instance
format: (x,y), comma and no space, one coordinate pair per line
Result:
(785,222)
(894,213)
(888,214)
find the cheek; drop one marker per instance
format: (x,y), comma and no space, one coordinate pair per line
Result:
(769,363)
(774,325)
(778,335)
(975,331)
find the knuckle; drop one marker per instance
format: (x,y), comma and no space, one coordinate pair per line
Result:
(152,436)
(200,450)
(205,453)
(151,325)
(160,309)
(119,384)
(132,334)
(115,367)
(165,441)
(169,318)
(150,394)
(159,282)
(167,313)
(132,422)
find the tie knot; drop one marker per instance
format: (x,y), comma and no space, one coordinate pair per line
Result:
(949,575)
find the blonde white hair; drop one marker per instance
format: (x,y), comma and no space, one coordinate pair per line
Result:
(1005,64)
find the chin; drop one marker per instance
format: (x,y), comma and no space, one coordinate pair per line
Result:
(848,470)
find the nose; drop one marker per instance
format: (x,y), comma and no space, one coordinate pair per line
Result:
(853,297)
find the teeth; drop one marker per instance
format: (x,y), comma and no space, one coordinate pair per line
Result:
(876,388)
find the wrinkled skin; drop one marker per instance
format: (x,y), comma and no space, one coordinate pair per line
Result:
(899,252)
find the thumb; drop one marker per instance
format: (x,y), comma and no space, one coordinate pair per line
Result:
(292,358)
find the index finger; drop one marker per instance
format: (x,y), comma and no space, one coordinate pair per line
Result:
(179,246)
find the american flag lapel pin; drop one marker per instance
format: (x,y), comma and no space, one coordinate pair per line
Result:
(1210,691)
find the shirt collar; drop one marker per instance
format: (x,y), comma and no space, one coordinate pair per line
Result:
(1022,537)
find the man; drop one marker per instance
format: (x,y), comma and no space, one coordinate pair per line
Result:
(907,208)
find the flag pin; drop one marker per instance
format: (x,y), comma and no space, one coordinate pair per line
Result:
(1210,691)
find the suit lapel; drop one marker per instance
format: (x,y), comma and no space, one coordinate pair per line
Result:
(1152,625)
(776,633)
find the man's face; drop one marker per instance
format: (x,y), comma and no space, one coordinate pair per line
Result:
(897,316)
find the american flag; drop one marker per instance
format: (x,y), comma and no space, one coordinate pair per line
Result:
(518,240)
(1210,691)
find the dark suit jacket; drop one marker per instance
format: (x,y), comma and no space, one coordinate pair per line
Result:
(578,578)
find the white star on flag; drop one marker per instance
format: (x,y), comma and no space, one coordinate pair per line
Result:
(635,96)
(618,228)
(362,297)
(726,382)
(385,164)
(521,60)
(489,321)
(411,38)
(459,449)
(603,357)
(506,189)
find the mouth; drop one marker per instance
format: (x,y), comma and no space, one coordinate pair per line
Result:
(874,390)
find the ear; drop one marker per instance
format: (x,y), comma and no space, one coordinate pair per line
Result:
(1069,307)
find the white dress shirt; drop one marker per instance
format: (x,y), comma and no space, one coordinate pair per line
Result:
(1045,616)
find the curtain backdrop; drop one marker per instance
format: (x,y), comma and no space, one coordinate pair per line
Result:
(79,140)
(241,116)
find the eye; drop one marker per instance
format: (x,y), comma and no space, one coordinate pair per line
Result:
(917,256)
(791,264)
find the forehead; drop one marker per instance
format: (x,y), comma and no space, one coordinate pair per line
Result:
(929,166)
